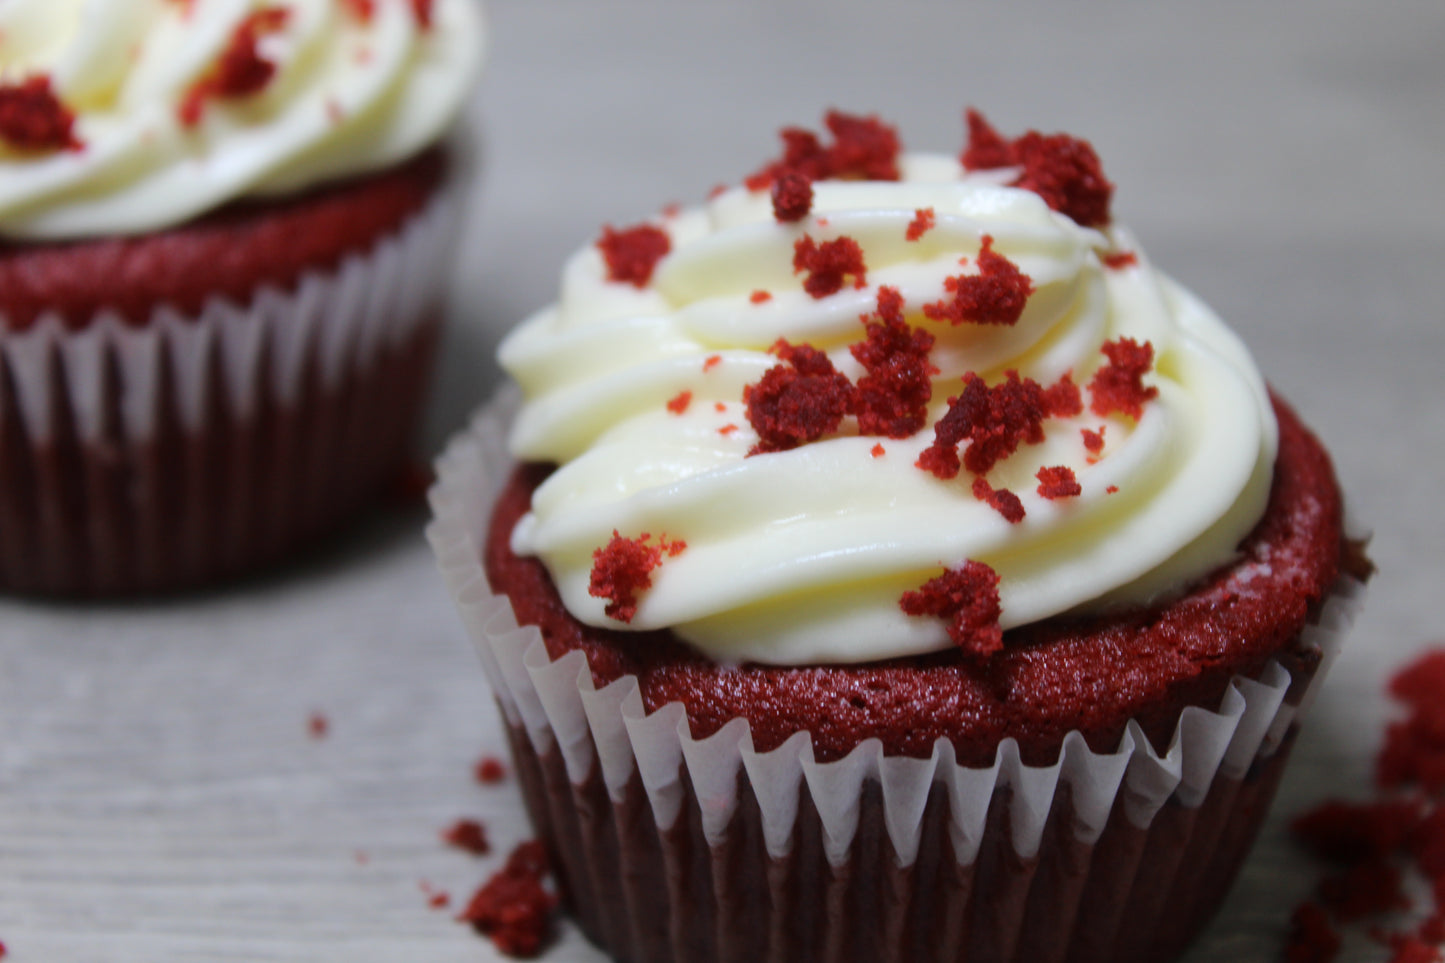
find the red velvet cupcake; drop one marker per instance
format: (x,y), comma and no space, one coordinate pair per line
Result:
(223,239)
(899,567)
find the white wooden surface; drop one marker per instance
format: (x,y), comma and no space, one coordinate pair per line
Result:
(161,799)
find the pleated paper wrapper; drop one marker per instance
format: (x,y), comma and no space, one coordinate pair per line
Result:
(675,848)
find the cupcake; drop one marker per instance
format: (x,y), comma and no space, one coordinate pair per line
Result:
(224,233)
(894,565)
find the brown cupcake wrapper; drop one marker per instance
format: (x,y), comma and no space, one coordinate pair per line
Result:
(675,848)
(165,454)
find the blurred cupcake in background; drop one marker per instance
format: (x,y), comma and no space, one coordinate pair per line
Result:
(224,238)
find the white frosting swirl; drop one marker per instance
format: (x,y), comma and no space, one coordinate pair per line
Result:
(350,94)
(801,556)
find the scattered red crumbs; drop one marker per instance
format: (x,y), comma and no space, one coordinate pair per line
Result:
(1119,260)
(719,407)
(467,835)
(994,420)
(623,567)
(489,770)
(828,264)
(718,190)
(1312,938)
(727,429)
(863,148)
(435,898)
(632,253)
(792,196)
(423,11)
(877,451)
(1062,399)
(240,71)
(1119,385)
(1058,482)
(317,725)
(512,907)
(892,398)
(33,118)
(922,223)
(1001,500)
(995,295)
(1358,832)
(712,362)
(1364,889)
(798,401)
(679,402)
(1063,170)
(968,598)
(3,951)
(1411,950)
(760,297)
(1112,489)
(362,10)
(671,209)
(1093,440)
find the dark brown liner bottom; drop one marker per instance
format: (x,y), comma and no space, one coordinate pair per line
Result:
(178,510)
(647,895)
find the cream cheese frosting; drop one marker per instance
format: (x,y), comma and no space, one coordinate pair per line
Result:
(801,556)
(357,86)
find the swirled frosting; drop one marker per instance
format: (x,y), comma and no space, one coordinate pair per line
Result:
(801,556)
(347,88)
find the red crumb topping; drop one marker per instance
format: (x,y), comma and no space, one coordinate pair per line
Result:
(1358,832)
(679,402)
(435,898)
(623,568)
(467,835)
(1119,260)
(727,429)
(828,264)
(719,407)
(1063,170)
(1001,500)
(877,451)
(362,10)
(423,11)
(863,148)
(1411,950)
(968,598)
(798,401)
(1427,844)
(892,398)
(711,362)
(995,421)
(1062,399)
(1364,889)
(240,71)
(32,117)
(792,196)
(512,907)
(1058,482)
(995,295)
(1312,938)
(1111,489)
(3,951)
(760,297)
(1093,440)
(922,223)
(1119,385)
(632,253)
(489,770)
(317,725)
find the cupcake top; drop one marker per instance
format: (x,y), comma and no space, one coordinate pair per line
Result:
(872,404)
(128,116)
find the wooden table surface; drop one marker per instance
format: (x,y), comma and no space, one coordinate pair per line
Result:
(162,797)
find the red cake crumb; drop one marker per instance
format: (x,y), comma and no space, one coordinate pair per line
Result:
(1062,399)
(435,898)
(719,407)
(623,568)
(1001,500)
(679,402)
(828,264)
(711,362)
(317,725)
(1312,938)
(798,401)
(727,429)
(994,420)
(877,451)
(469,836)
(986,148)
(33,118)
(1093,440)
(1063,170)
(512,907)
(423,11)
(1119,385)
(1411,950)
(863,148)
(760,297)
(1356,832)
(1118,260)
(1427,844)
(792,196)
(1364,889)
(1112,490)
(362,10)
(489,770)
(995,295)
(1058,482)
(922,223)
(892,398)
(968,598)
(240,71)
(632,253)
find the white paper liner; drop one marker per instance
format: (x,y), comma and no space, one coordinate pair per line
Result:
(558,704)
(340,318)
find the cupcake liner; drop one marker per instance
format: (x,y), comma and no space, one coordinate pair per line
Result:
(1081,858)
(149,456)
